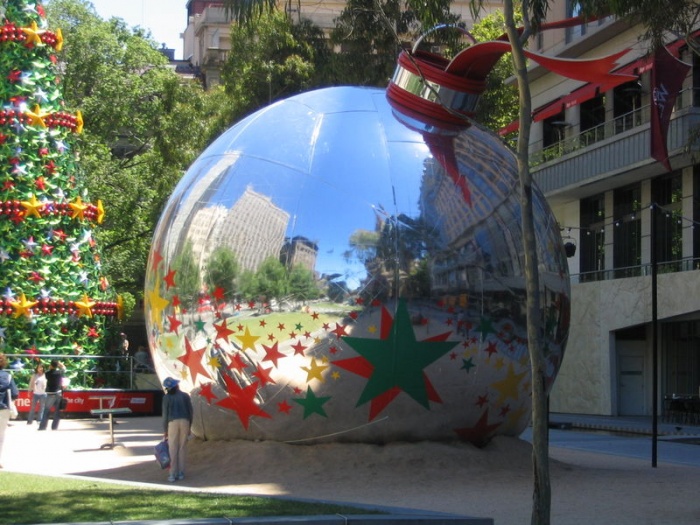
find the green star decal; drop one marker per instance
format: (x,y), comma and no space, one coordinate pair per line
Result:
(468,364)
(199,325)
(312,404)
(485,327)
(398,360)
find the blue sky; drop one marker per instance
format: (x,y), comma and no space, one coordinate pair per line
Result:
(166,19)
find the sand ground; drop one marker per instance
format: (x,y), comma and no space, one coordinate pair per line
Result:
(458,478)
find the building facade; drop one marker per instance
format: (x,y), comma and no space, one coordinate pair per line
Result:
(632,221)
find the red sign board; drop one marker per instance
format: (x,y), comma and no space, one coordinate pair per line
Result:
(82,401)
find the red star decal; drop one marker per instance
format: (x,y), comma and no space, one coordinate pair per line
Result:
(284,407)
(504,410)
(251,304)
(280,327)
(272,354)
(314,316)
(170,279)
(299,348)
(222,331)
(157,258)
(262,323)
(263,374)
(236,362)
(193,360)
(174,323)
(353,315)
(491,349)
(242,401)
(479,434)
(219,293)
(292,335)
(339,330)
(481,401)
(176,302)
(207,393)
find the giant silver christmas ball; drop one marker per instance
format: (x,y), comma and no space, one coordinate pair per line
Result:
(411,233)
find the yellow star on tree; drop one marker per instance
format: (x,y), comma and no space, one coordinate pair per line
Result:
(36,117)
(100,212)
(79,122)
(33,206)
(84,306)
(33,34)
(22,307)
(59,40)
(78,208)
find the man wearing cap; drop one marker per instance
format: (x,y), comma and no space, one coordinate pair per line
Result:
(177,422)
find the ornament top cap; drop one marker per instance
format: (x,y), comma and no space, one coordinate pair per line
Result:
(424,84)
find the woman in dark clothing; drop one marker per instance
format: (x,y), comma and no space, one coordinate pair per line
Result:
(177,421)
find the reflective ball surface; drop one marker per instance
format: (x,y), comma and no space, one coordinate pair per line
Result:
(332,268)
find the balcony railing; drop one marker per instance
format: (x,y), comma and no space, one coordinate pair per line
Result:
(682,265)
(584,139)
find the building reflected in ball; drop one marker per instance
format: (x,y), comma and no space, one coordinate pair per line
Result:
(334,269)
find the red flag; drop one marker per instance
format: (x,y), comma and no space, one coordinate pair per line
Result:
(667,76)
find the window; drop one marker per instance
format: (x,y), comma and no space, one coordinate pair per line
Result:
(627,104)
(592,241)
(573,8)
(667,192)
(627,240)
(592,117)
(553,130)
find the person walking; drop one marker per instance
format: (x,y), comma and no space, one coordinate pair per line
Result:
(54,394)
(37,388)
(8,393)
(177,423)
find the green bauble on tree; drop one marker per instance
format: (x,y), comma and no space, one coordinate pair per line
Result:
(54,300)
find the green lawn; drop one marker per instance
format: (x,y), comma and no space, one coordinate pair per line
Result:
(26,498)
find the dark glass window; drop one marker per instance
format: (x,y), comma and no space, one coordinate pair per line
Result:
(627,231)
(592,240)
(667,192)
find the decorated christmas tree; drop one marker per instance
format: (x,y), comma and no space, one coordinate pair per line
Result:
(54,301)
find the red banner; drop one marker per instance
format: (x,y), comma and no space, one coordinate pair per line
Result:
(82,401)
(667,76)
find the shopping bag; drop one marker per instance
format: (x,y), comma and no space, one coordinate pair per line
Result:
(14,413)
(163,454)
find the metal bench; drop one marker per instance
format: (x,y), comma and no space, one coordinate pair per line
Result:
(111,412)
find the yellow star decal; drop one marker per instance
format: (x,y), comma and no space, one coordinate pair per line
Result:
(33,207)
(315,371)
(100,212)
(214,362)
(78,208)
(508,386)
(512,421)
(84,306)
(22,307)
(33,34)
(372,329)
(248,340)
(157,304)
(170,344)
(335,375)
(499,363)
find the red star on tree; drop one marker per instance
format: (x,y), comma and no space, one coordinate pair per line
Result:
(242,401)
(92,332)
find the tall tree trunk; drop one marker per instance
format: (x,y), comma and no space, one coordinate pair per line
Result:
(541,497)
